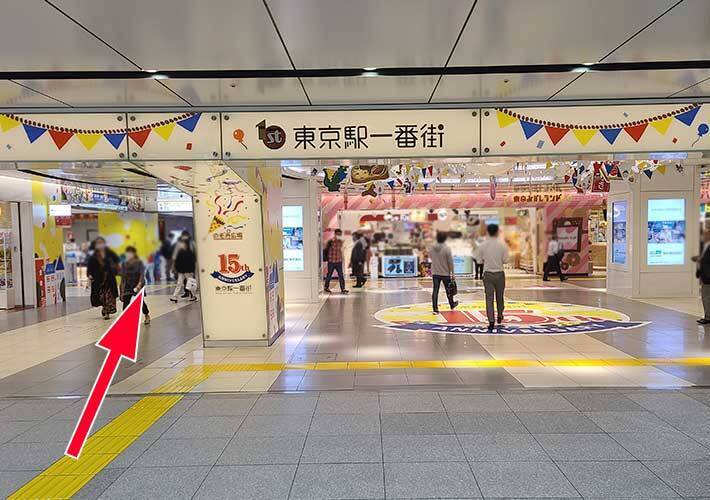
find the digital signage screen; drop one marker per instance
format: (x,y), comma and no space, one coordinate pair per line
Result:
(618,232)
(293,238)
(666,232)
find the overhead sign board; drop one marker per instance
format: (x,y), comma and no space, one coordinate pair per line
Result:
(350,134)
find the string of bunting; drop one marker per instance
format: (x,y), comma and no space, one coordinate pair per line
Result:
(584,133)
(90,137)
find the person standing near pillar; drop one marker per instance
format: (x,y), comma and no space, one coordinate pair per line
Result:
(494,254)
(333,255)
(703,274)
(358,256)
(554,258)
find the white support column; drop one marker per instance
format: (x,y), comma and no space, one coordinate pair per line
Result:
(659,218)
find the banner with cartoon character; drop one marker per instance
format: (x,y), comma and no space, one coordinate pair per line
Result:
(233,273)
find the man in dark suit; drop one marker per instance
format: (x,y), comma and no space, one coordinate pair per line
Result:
(703,273)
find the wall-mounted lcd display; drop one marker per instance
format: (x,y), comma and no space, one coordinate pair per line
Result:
(293,238)
(618,232)
(666,232)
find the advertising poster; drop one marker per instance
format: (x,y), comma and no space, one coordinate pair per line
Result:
(666,232)
(293,238)
(618,232)
(569,233)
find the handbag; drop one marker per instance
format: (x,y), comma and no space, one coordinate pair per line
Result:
(191,285)
(452,288)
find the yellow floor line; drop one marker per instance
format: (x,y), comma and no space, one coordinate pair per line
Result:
(67,476)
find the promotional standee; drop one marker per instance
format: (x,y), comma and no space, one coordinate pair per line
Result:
(238,289)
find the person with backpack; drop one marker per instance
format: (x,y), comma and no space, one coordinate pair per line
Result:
(333,255)
(132,280)
(184,267)
(358,256)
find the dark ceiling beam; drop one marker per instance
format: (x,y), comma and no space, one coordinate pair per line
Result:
(356,72)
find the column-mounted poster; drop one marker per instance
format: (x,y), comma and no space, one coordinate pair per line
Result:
(569,233)
(666,232)
(618,232)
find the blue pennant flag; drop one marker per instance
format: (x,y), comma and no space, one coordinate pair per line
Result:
(190,123)
(648,173)
(688,116)
(33,133)
(390,184)
(529,128)
(115,139)
(610,134)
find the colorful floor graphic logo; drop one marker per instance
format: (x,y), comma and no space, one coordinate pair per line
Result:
(520,318)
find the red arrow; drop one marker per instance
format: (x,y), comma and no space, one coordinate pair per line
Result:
(121,341)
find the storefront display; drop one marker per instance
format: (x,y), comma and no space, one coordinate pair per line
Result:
(399,266)
(463,264)
(666,232)
(293,238)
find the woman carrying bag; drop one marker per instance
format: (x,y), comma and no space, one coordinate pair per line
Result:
(442,271)
(102,268)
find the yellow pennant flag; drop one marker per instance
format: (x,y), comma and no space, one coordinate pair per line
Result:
(165,131)
(88,140)
(584,135)
(661,169)
(7,123)
(504,119)
(662,125)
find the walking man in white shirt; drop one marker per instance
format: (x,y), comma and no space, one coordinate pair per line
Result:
(554,256)
(494,254)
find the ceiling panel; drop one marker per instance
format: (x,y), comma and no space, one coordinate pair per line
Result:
(550,31)
(35,37)
(480,88)
(15,96)
(683,33)
(185,34)
(105,173)
(631,84)
(372,90)
(702,89)
(369,33)
(245,92)
(107,92)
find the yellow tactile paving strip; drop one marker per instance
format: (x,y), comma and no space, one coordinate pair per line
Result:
(67,476)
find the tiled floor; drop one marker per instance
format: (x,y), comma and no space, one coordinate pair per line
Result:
(421,444)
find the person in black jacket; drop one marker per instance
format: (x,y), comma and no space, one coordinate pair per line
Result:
(102,268)
(184,265)
(703,273)
(357,259)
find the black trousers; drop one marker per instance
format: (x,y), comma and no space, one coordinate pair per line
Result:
(338,267)
(438,280)
(478,270)
(126,299)
(359,272)
(552,264)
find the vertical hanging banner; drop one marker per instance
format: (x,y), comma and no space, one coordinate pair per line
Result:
(174,136)
(595,129)
(350,134)
(63,137)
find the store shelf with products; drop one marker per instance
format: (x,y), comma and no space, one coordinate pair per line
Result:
(7,293)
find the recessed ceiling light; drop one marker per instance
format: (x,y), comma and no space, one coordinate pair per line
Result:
(370,68)
(160,76)
(370,73)
(151,71)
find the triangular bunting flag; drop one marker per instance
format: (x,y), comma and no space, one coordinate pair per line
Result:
(649,173)
(165,131)
(556,134)
(584,135)
(661,169)
(60,138)
(115,139)
(688,116)
(88,140)
(190,123)
(504,119)
(610,134)
(529,128)
(33,133)
(609,167)
(636,131)
(7,123)
(662,125)
(390,184)
(140,137)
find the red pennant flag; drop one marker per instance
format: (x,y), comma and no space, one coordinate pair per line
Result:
(636,131)
(556,134)
(140,137)
(60,138)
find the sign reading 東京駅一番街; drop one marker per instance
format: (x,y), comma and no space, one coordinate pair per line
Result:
(351,134)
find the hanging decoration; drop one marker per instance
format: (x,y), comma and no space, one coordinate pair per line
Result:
(492,186)
(364,174)
(90,137)
(370,190)
(334,178)
(530,127)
